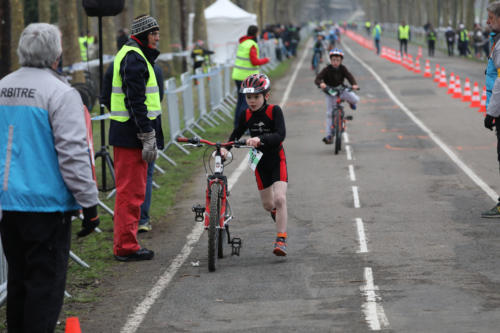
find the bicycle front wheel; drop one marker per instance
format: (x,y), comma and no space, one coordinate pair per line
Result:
(213,231)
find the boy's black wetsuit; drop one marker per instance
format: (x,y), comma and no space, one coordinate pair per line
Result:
(268,124)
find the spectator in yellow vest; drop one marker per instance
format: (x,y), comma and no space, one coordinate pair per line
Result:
(463,41)
(247,63)
(85,42)
(404,35)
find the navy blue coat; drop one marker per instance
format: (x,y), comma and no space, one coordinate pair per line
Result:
(134,68)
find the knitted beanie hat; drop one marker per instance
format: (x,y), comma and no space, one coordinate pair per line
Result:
(143,23)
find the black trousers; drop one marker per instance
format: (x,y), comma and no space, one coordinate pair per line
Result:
(36,246)
(431,46)
(403,46)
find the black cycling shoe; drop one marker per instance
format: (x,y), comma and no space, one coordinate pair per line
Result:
(141,254)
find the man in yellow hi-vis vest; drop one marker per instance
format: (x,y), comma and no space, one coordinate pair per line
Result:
(404,35)
(85,42)
(247,63)
(135,132)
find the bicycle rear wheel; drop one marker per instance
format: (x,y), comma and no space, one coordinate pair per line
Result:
(213,231)
(338,132)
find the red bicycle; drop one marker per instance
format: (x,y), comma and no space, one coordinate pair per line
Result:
(339,118)
(217,211)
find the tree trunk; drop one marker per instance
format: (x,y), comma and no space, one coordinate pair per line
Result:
(17,26)
(108,35)
(182,15)
(163,11)
(68,26)
(446,13)
(469,12)
(141,7)
(44,11)
(200,31)
(5,37)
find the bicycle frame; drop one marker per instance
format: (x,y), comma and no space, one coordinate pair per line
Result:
(217,177)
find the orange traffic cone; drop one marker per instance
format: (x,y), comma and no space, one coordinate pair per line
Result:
(417,66)
(419,52)
(437,74)
(427,72)
(482,108)
(451,85)
(398,58)
(442,80)
(72,325)
(458,88)
(467,93)
(410,63)
(404,61)
(476,99)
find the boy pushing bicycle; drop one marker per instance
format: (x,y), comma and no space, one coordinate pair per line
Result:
(334,75)
(267,133)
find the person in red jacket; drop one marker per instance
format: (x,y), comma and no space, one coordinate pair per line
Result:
(247,63)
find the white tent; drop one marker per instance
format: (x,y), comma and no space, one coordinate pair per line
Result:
(226,23)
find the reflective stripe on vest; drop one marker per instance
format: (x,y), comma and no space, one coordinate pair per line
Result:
(404,32)
(243,66)
(119,110)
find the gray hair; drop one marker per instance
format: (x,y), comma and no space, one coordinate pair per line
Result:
(39,45)
(494,7)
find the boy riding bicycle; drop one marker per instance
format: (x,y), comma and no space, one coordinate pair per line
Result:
(267,133)
(318,50)
(334,75)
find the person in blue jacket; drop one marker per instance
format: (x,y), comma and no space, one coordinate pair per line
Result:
(46,177)
(493,88)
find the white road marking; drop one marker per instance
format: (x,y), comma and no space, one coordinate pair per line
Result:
(465,168)
(352,175)
(374,312)
(355,196)
(348,152)
(346,137)
(135,319)
(363,246)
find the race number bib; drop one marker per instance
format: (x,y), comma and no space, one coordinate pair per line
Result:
(254,157)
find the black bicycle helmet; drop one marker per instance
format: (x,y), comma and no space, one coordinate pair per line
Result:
(256,84)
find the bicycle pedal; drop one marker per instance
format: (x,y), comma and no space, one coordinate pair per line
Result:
(235,246)
(198,211)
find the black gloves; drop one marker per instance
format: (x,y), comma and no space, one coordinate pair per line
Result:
(489,121)
(90,221)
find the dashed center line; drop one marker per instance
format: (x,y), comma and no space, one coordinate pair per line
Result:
(348,152)
(346,137)
(363,247)
(352,175)
(355,196)
(374,312)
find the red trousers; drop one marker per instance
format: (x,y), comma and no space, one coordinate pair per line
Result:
(130,174)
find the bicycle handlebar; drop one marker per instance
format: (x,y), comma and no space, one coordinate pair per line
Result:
(197,141)
(334,91)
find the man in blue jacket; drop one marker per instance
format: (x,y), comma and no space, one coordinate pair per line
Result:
(493,88)
(46,175)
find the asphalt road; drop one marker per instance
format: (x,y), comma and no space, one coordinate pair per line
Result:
(384,236)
